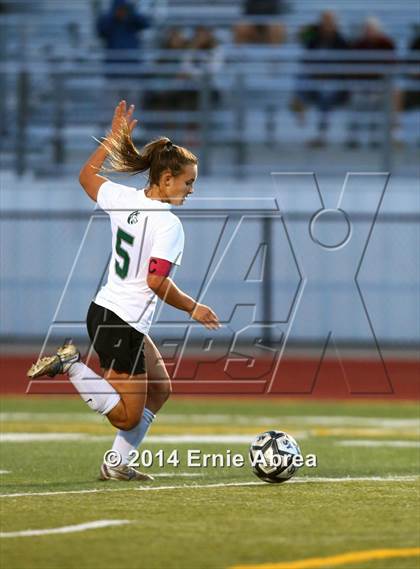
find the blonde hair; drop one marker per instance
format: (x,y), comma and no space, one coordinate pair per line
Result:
(156,157)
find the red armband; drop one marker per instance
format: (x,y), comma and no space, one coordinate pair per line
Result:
(160,267)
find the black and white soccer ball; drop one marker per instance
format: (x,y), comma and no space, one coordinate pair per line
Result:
(273,456)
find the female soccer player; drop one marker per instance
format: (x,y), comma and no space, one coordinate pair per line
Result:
(147,239)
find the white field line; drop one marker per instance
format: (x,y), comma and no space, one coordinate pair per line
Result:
(4,471)
(65,529)
(172,439)
(232,419)
(316,420)
(366,443)
(183,439)
(50,417)
(302,480)
(413,478)
(48,437)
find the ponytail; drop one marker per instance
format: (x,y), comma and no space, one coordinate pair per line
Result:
(156,157)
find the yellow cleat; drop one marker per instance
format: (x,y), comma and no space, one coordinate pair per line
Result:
(123,472)
(66,355)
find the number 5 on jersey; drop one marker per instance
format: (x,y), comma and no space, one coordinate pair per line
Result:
(122,268)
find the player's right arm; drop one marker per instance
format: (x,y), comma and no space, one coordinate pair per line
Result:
(89,178)
(165,288)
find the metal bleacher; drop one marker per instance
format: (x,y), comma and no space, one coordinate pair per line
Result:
(55,95)
(43,22)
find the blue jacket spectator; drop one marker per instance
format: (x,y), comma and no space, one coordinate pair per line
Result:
(119,29)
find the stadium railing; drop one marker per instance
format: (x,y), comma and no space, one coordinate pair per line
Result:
(51,106)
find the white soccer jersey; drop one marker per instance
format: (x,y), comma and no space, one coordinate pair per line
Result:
(141,228)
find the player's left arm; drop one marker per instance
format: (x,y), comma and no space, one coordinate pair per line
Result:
(89,178)
(163,286)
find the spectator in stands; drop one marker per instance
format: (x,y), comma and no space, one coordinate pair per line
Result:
(415,42)
(203,53)
(261,33)
(412,98)
(365,100)
(373,37)
(119,29)
(198,57)
(174,41)
(322,36)
(203,58)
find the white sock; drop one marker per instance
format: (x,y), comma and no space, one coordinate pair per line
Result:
(93,389)
(126,441)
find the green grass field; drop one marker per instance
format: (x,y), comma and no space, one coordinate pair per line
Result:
(210,517)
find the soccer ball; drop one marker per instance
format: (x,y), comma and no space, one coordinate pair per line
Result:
(272,455)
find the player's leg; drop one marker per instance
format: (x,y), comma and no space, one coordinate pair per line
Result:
(159,382)
(132,390)
(158,390)
(133,420)
(97,393)
(130,415)
(120,349)
(119,396)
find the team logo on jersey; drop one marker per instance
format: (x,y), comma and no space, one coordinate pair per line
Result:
(133,217)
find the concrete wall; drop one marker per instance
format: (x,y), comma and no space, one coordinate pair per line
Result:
(313,288)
